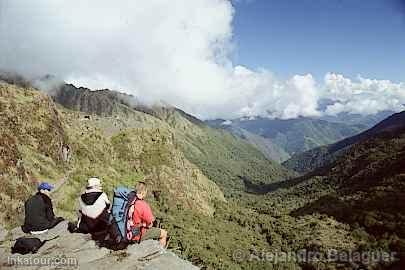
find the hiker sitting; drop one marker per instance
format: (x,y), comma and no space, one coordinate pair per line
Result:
(94,207)
(39,215)
(142,216)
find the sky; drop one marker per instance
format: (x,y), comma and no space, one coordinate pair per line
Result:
(216,58)
(318,36)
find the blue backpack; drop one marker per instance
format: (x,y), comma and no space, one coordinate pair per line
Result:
(117,237)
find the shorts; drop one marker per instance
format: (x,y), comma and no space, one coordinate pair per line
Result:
(151,233)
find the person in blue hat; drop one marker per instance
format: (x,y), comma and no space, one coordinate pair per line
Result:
(39,215)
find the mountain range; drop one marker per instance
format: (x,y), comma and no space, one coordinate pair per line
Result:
(195,172)
(324,155)
(280,139)
(213,190)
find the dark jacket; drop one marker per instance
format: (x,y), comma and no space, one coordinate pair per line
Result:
(39,214)
(94,225)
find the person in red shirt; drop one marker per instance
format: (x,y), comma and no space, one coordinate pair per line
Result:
(142,216)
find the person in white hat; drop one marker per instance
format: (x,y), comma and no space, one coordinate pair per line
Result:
(94,210)
(93,184)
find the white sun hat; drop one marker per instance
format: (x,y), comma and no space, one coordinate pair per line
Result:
(93,182)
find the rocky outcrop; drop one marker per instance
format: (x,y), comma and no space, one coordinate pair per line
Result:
(100,102)
(78,251)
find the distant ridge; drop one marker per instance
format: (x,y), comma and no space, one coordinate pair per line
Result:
(324,155)
(280,139)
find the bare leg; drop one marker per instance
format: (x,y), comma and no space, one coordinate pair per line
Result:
(163,237)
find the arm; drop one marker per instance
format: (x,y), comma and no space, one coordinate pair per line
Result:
(147,216)
(107,202)
(49,209)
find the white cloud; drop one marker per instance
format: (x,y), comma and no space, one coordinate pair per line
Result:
(364,96)
(270,97)
(226,123)
(172,51)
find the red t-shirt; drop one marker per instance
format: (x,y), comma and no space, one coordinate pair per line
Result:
(142,214)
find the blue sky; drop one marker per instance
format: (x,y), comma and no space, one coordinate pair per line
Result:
(351,37)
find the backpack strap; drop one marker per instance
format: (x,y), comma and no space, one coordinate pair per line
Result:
(132,228)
